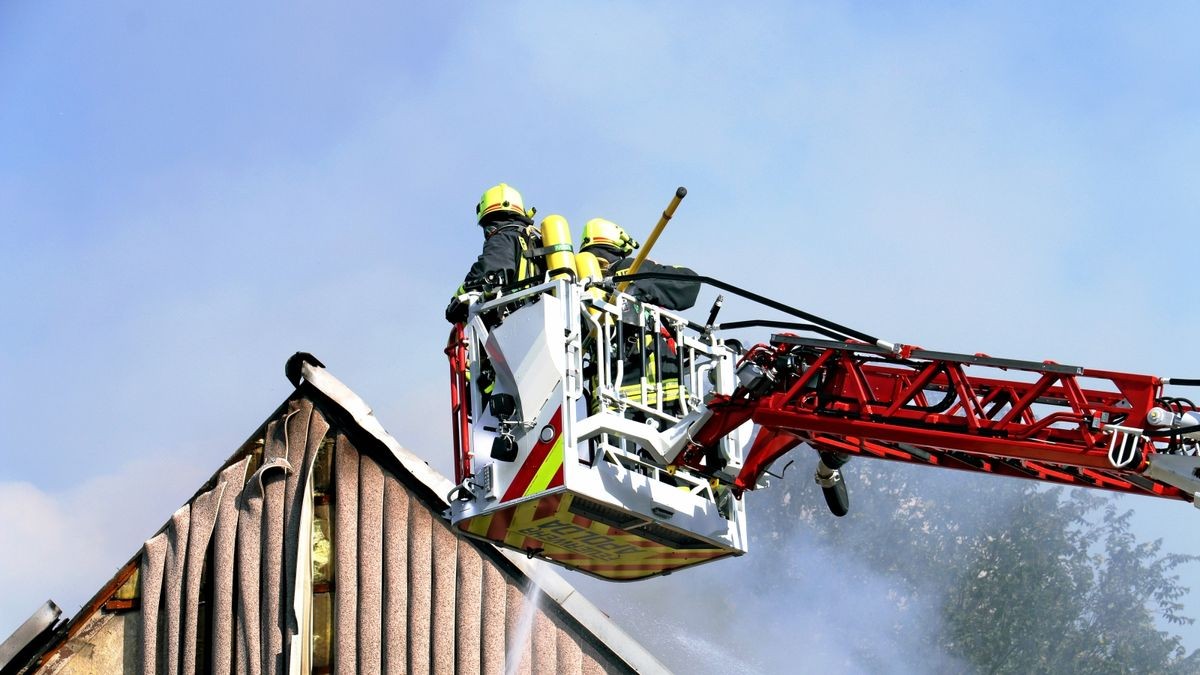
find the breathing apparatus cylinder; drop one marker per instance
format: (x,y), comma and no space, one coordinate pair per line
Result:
(556,239)
(587,266)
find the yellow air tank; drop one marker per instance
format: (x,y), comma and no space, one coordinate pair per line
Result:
(556,238)
(587,266)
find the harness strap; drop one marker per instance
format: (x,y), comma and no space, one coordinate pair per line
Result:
(546,250)
(523,271)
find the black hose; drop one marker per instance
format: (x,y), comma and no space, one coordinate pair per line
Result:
(768,323)
(1184,382)
(1181,431)
(1169,402)
(844,331)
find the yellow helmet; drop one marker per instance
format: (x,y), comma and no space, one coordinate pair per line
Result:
(502,197)
(601,232)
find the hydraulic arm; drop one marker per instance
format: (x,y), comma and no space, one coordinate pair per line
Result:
(1046,421)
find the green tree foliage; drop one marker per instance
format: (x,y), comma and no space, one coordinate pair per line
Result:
(1063,585)
(1013,607)
(1024,578)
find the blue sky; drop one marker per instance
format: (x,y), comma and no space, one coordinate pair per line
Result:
(188,194)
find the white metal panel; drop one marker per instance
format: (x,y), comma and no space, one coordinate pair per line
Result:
(528,353)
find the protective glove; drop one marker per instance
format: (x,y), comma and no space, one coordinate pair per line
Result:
(456,311)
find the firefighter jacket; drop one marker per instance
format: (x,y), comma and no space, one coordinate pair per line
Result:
(502,261)
(503,256)
(666,293)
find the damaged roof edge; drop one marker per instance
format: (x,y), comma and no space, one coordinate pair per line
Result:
(547,580)
(27,635)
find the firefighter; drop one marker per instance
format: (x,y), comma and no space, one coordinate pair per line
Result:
(613,247)
(507,235)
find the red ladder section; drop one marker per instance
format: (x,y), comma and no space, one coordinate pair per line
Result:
(923,407)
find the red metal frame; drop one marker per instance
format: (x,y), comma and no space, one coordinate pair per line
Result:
(460,402)
(923,408)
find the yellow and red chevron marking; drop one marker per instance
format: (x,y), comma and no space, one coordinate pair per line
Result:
(547,526)
(542,469)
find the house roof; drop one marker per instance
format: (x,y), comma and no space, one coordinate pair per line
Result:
(549,582)
(330,405)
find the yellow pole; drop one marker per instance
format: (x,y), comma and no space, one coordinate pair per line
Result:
(662,223)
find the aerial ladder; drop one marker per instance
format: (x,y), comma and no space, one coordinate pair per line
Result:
(560,457)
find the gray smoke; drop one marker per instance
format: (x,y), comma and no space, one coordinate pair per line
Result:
(815,593)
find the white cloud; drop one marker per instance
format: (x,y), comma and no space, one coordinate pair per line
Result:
(64,545)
